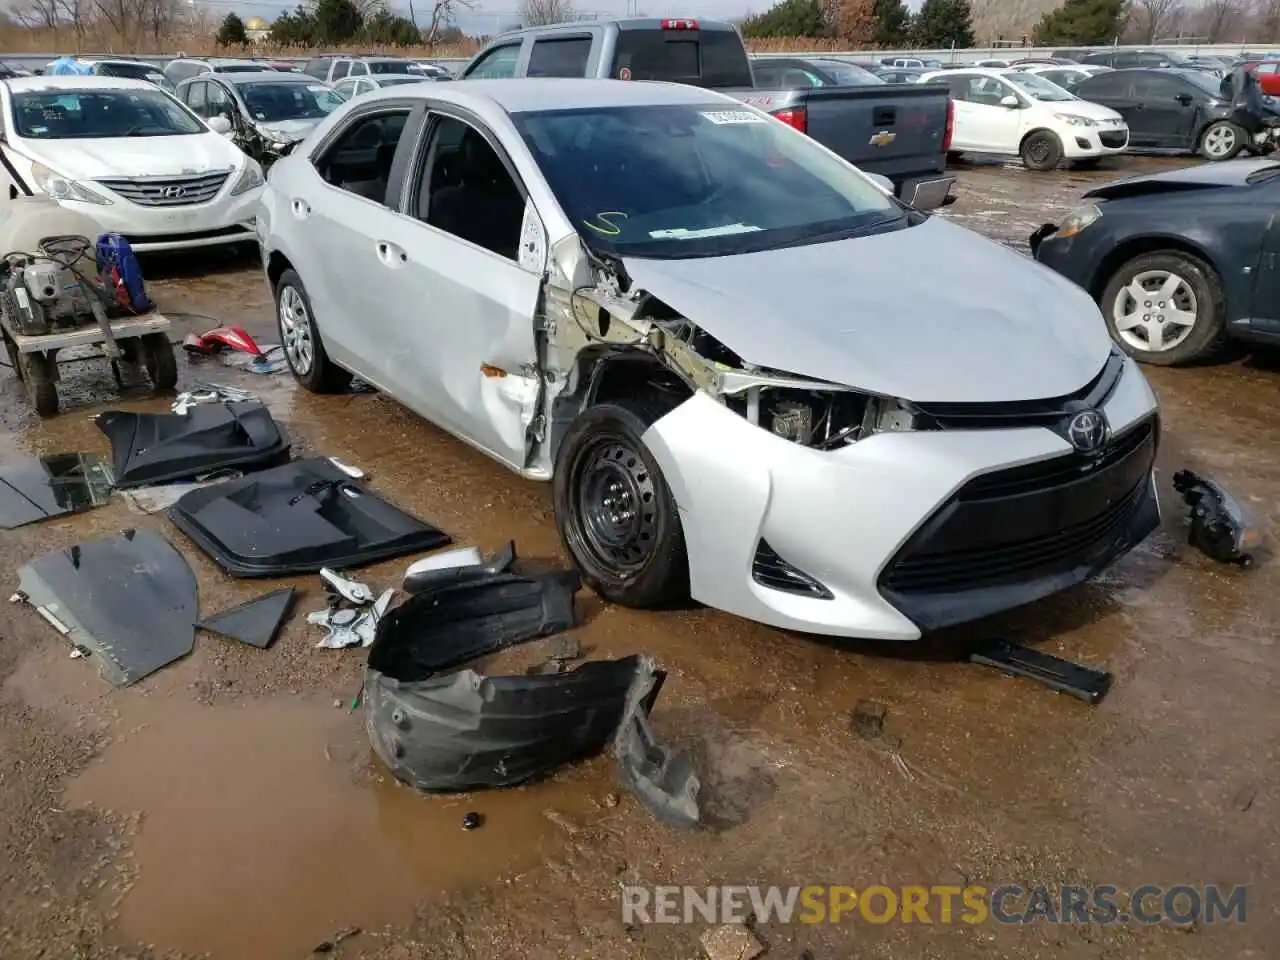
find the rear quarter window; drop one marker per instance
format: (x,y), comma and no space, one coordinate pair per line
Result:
(705,58)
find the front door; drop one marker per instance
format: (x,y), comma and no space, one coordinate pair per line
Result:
(463,348)
(992,126)
(1162,119)
(1266,286)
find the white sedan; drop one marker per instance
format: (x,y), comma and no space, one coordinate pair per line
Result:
(691,319)
(128,155)
(1019,114)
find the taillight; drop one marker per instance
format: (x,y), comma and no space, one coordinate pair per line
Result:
(679,24)
(794,117)
(950,128)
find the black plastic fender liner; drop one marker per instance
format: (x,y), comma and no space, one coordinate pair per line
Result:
(664,781)
(298,518)
(152,448)
(455,623)
(464,731)
(130,599)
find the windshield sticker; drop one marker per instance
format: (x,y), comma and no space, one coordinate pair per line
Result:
(260,115)
(681,233)
(604,226)
(39,131)
(732,116)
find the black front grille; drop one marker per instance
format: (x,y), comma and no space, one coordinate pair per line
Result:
(770,570)
(1114,138)
(1036,521)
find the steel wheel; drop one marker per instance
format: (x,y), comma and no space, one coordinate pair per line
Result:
(295,331)
(1155,311)
(1039,150)
(614,495)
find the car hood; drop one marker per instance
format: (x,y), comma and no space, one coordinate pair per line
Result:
(1085,108)
(134,156)
(1229,173)
(288,130)
(934,313)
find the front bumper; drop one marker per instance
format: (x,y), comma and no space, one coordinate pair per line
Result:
(855,520)
(1086,142)
(225,219)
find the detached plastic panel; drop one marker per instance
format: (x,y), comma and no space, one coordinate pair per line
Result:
(298,518)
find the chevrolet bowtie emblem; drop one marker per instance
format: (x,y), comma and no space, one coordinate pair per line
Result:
(883,138)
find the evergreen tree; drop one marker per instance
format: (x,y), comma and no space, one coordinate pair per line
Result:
(296,29)
(231,33)
(1083,22)
(892,23)
(336,21)
(790,18)
(943,24)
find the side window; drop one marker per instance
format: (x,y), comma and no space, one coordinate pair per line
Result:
(340,69)
(466,190)
(359,68)
(1152,87)
(359,160)
(499,63)
(1266,68)
(365,86)
(218,101)
(766,75)
(959,87)
(182,71)
(794,78)
(559,57)
(194,97)
(317,67)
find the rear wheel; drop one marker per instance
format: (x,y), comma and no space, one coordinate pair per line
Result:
(1041,150)
(157,355)
(615,513)
(1166,308)
(1222,140)
(303,349)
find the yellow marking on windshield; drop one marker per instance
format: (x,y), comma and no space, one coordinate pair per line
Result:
(606,226)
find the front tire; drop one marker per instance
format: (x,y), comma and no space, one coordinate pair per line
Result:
(303,349)
(1222,140)
(1041,151)
(615,513)
(1166,308)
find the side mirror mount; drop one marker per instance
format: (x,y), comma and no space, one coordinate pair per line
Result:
(533,241)
(1011,102)
(220,124)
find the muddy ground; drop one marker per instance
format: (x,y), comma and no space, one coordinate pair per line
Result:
(229,804)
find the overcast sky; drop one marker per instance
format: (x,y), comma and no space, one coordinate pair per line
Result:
(494,15)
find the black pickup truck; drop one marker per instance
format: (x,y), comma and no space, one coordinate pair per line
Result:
(897,131)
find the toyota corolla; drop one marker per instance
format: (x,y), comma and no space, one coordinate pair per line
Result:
(749,373)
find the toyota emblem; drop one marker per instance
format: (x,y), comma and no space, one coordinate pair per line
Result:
(173,193)
(1088,431)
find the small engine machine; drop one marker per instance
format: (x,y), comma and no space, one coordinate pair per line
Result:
(64,284)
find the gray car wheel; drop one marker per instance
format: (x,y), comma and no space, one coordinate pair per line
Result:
(1222,140)
(1165,308)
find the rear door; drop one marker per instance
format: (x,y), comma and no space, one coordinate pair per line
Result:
(1111,90)
(680,51)
(1163,121)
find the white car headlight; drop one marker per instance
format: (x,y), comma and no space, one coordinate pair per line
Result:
(1078,219)
(1073,120)
(250,177)
(58,187)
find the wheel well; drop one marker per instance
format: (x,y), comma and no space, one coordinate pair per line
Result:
(277,264)
(602,375)
(1136,247)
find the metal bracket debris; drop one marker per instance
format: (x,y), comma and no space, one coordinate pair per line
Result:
(1088,684)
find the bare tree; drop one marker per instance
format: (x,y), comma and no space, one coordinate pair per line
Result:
(37,14)
(1153,18)
(1216,20)
(540,13)
(442,14)
(1266,20)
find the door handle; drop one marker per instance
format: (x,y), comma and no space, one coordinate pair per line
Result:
(390,254)
(301,209)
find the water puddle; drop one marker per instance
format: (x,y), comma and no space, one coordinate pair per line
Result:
(267,826)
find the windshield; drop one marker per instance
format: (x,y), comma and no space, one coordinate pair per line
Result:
(1039,87)
(238,68)
(272,102)
(395,81)
(87,114)
(847,75)
(390,66)
(684,181)
(134,71)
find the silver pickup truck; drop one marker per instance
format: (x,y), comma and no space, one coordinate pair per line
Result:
(898,131)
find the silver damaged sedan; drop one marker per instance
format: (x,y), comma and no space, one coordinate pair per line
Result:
(748,372)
